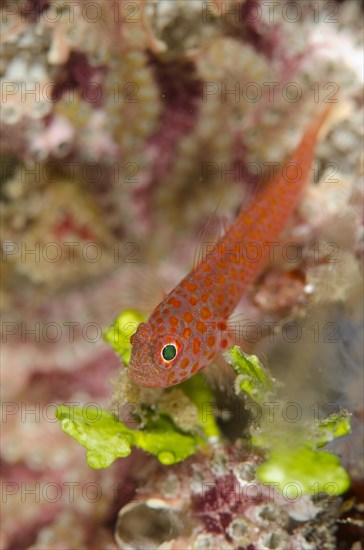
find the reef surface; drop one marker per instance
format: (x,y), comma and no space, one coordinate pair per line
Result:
(124,125)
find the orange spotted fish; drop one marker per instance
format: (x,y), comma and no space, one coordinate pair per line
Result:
(188,328)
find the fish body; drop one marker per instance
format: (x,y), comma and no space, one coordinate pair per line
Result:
(189,327)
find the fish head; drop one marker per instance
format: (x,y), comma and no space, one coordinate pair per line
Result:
(156,358)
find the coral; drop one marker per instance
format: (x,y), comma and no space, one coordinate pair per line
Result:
(179,407)
(215,501)
(67,243)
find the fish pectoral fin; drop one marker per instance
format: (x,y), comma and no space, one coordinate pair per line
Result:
(243,329)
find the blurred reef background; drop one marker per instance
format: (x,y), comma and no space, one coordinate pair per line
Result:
(124,125)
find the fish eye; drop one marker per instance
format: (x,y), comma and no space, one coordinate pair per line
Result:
(169,352)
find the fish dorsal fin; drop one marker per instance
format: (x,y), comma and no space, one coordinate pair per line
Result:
(216,226)
(141,290)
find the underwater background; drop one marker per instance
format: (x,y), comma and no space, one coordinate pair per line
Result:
(132,132)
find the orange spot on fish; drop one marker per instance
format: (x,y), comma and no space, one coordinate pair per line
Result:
(195,367)
(188,317)
(211,341)
(191,286)
(174,302)
(208,281)
(224,343)
(205,313)
(201,326)
(193,300)
(204,297)
(173,321)
(196,346)
(186,332)
(220,299)
(185,363)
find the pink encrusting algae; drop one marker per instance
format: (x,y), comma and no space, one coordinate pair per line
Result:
(188,328)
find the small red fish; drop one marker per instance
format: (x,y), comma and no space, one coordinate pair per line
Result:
(186,330)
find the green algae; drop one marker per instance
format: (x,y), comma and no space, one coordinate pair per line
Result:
(294,458)
(252,379)
(199,391)
(118,334)
(300,470)
(106,438)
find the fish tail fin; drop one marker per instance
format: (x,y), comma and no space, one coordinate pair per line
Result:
(288,185)
(280,195)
